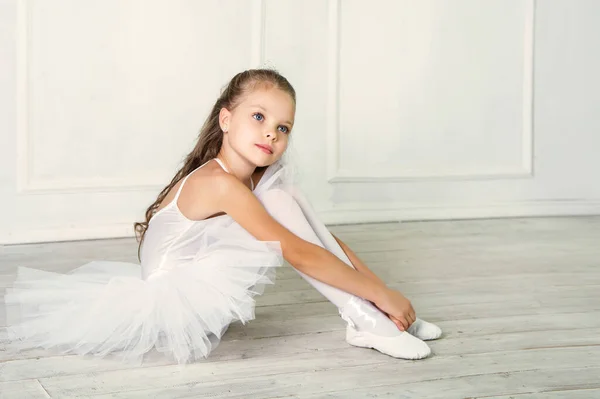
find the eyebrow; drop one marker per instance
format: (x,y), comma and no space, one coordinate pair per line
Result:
(263,108)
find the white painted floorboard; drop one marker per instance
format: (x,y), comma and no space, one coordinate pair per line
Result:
(518,300)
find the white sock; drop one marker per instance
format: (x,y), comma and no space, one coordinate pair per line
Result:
(425,330)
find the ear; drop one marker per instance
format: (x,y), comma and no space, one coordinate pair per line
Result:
(224,118)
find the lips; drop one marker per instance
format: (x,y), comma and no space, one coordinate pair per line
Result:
(266,148)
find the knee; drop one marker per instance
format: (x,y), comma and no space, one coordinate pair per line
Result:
(277,198)
(281,205)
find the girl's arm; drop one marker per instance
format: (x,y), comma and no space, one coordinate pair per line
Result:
(233,198)
(357,263)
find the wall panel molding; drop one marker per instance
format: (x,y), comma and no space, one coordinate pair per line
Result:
(28,184)
(336,175)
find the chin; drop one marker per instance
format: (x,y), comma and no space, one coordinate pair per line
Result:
(264,164)
(266,160)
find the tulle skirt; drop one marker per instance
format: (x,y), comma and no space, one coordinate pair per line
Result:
(105,307)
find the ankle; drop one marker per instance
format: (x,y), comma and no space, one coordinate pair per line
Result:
(362,315)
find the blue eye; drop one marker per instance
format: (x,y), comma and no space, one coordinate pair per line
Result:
(283,129)
(258,116)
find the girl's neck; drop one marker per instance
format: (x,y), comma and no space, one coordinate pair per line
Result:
(241,170)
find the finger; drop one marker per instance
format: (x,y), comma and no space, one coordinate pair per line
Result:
(412,313)
(413,316)
(404,323)
(398,324)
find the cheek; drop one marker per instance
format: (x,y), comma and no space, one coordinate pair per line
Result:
(242,128)
(283,142)
(250,125)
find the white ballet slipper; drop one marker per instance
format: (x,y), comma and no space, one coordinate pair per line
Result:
(424,330)
(402,346)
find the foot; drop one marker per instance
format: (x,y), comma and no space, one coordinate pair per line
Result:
(424,330)
(402,345)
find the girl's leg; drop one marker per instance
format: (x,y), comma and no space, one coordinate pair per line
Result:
(376,330)
(420,328)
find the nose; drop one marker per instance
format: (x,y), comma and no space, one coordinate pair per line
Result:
(271,135)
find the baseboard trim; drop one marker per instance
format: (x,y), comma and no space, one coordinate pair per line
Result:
(343,214)
(56,234)
(353,213)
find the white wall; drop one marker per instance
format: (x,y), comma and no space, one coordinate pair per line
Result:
(406,110)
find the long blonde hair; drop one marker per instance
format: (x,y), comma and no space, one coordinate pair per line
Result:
(210,138)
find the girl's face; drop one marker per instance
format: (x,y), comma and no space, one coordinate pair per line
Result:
(259,127)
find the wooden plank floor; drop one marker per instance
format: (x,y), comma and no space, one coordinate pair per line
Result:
(518,300)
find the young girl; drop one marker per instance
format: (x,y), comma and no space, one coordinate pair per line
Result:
(209,244)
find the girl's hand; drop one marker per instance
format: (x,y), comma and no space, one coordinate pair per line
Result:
(397,307)
(398,323)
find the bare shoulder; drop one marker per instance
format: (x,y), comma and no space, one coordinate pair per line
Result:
(199,196)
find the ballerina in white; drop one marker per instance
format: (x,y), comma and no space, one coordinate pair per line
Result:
(209,244)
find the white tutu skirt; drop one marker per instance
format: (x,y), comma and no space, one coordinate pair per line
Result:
(105,307)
